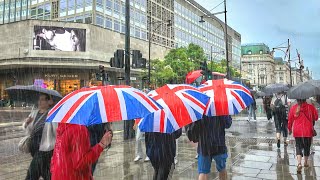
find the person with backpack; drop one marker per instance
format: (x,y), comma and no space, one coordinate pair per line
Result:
(278,106)
(302,117)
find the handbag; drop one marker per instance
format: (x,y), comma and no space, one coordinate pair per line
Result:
(193,131)
(314,131)
(25,143)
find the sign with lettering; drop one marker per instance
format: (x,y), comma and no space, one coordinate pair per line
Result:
(61,76)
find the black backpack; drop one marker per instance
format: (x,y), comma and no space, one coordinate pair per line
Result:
(193,131)
(279,106)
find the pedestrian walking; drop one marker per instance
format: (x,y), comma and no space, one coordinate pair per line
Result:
(139,138)
(252,110)
(278,106)
(39,145)
(212,145)
(267,106)
(161,149)
(301,121)
(73,156)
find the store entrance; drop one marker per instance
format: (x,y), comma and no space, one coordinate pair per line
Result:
(67,86)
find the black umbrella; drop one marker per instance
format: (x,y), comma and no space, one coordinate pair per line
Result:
(31,93)
(275,88)
(305,90)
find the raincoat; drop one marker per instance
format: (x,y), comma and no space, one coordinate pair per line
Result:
(301,123)
(73,156)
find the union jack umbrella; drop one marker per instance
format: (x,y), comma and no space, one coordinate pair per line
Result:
(182,104)
(226,97)
(102,104)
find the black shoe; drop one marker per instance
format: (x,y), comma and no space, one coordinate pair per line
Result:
(278,143)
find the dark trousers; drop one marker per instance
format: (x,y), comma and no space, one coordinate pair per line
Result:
(162,171)
(40,166)
(303,145)
(281,124)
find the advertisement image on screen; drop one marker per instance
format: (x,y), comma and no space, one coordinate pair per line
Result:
(59,38)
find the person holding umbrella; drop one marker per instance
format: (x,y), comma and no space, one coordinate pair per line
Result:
(278,106)
(301,121)
(34,126)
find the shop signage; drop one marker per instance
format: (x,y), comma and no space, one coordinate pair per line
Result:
(61,75)
(133,78)
(120,78)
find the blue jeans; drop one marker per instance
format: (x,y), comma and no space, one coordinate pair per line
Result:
(204,163)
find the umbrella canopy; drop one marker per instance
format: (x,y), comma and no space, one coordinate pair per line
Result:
(262,94)
(31,93)
(305,90)
(275,88)
(193,76)
(102,104)
(182,105)
(226,97)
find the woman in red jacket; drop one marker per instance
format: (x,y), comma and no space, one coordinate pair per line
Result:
(301,120)
(72,157)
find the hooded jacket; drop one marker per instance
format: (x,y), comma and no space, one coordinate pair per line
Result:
(301,121)
(161,147)
(72,157)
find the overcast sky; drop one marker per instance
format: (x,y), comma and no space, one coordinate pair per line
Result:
(274,21)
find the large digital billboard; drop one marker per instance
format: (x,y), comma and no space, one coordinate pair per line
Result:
(59,38)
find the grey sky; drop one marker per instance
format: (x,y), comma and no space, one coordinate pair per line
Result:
(274,21)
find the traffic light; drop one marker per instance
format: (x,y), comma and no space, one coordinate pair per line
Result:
(113,62)
(135,58)
(209,75)
(119,58)
(102,75)
(203,65)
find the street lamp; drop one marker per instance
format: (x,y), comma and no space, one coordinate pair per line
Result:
(287,48)
(225,30)
(168,23)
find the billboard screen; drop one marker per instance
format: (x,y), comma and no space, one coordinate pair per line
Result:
(59,38)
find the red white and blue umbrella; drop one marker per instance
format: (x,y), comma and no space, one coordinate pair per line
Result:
(226,97)
(182,104)
(102,104)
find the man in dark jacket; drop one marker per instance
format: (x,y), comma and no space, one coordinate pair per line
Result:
(212,145)
(161,149)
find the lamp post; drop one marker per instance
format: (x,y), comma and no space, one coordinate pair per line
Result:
(287,48)
(224,29)
(151,31)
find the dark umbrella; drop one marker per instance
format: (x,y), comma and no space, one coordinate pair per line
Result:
(305,90)
(275,88)
(30,93)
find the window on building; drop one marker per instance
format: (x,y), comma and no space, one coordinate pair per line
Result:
(88,4)
(260,52)
(117,6)
(143,35)
(109,4)
(99,5)
(123,27)
(108,23)
(63,6)
(116,26)
(79,19)
(99,20)
(88,19)
(80,4)
(137,33)
(71,5)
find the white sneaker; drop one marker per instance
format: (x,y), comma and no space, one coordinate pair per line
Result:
(147,159)
(175,161)
(137,159)
(196,156)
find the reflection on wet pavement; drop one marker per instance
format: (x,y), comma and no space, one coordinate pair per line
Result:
(249,158)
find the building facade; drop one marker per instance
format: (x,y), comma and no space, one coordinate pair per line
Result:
(258,64)
(262,68)
(100,26)
(144,15)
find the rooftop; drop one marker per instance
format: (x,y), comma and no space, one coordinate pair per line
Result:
(254,49)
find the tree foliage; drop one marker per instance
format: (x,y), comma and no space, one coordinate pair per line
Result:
(178,62)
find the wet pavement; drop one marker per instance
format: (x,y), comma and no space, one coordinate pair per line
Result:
(252,155)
